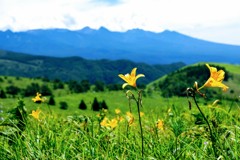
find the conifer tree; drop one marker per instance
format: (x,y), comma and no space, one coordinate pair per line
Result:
(104,105)
(51,101)
(95,105)
(82,105)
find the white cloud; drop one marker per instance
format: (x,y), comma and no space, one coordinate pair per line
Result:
(194,17)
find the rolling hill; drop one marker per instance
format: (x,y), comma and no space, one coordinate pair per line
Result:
(76,68)
(136,45)
(187,75)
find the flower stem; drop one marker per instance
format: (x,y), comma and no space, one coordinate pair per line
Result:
(210,130)
(139,116)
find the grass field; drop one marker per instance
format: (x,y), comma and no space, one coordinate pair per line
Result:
(172,128)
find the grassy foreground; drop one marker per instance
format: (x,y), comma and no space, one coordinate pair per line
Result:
(135,126)
(170,130)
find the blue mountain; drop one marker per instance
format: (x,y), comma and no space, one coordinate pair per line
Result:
(136,45)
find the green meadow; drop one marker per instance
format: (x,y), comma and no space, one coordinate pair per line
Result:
(170,127)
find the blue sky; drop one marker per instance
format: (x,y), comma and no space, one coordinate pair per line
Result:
(213,20)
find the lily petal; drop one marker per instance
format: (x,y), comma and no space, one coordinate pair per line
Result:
(133,73)
(140,75)
(124,85)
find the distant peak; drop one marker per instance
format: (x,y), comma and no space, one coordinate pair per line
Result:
(103,29)
(168,31)
(139,31)
(87,30)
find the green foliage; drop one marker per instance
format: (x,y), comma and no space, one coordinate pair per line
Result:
(82,137)
(114,87)
(45,90)
(58,84)
(63,105)
(77,87)
(99,86)
(2,94)
(176,83)
(78,134)
(31,89)
(20,115)
(12,90)
(51,101)
(76,68)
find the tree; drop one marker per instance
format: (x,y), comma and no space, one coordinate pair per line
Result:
(75,87)
(31,89)
(58,84)
(82,105)
(95,105)
(99,86)
(13,90)
(2,94)
(63,105)
(114,87)
(85,85)
(45,90)
(51,101)
(104,105)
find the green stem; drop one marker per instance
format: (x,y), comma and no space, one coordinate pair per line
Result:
(140,122)
(176,140)
(210,130)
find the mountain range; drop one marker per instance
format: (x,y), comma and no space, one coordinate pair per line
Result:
(136,45)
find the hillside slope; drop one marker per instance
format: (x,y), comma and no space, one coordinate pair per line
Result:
(176,83)
(76,68)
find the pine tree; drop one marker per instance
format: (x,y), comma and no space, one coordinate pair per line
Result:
(95,105)
(82,105)
(104,105)
(51,101)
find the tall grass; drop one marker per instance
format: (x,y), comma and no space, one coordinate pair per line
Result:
(184,135)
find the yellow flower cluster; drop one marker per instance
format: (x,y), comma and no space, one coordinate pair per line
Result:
(109,123)
(37,99)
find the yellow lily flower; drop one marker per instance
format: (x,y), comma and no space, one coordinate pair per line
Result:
(160,124)
(104,122)
(117,111)
(36,113)
(130,78)
(130,118)
(215,79)
(38,98)
(113,123)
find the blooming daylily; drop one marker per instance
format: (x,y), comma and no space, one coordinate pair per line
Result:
(130,118)
(104,122)
(113,123)
(36,113)
(130,79)
(117,111)
(215,79)
(160,124)
(38,98)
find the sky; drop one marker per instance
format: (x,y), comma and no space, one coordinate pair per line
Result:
(212,20)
